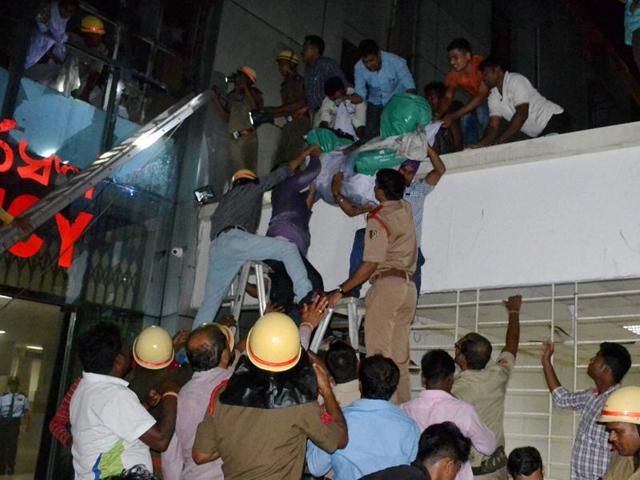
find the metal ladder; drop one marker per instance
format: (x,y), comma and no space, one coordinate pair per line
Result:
(236,294)
(354,316)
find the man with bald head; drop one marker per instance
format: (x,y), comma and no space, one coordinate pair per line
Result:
(484,386)
(209,350)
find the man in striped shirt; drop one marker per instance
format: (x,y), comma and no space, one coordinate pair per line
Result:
(591,450)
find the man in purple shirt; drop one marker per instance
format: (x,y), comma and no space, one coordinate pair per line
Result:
(291,202)
(435,404)
(209,355)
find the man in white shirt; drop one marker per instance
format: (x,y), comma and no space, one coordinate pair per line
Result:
(342,110)
(111,429)
(513,98)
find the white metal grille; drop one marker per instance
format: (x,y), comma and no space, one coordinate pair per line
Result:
(577,316)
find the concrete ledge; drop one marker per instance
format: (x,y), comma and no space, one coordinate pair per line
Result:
(544,148)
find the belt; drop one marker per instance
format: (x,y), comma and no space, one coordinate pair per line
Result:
(230,227)
(392,272)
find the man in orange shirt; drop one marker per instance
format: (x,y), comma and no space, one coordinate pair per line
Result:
(474,115)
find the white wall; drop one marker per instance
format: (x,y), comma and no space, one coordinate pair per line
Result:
(568,218)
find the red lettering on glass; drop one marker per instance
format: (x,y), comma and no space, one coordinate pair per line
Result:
(7,163)
(33,244)
(37,170)
(69,234)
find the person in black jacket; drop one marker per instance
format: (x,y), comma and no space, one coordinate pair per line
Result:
(441,452)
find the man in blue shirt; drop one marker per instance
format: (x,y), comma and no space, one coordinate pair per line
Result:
(379,76)
(380,434)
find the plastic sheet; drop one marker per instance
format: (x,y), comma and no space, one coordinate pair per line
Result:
(358,189)
(370,161)
(327,140)
(404,113)
(331,163)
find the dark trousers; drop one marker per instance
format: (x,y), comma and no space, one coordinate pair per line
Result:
(560,123)
(357,254)
(9,431)
(281,292)
(372,127)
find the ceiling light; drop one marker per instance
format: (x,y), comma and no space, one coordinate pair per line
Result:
(37,348)
(633,329)
(4,297)
(2,332)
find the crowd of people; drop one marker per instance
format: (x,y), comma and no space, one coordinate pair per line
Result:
(269,408)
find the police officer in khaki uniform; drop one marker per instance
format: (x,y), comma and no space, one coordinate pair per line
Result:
(293,108)
(389,261)
(484,386)
(259,421)
(235,109)
(621,416)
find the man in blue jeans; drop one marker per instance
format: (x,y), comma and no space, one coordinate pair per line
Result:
(234,240)
(415,194)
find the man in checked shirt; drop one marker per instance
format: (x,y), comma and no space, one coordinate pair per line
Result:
(591,450)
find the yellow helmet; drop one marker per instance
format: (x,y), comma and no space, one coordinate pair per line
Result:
(273,344)
(288,56)
(227,333)
(243,173)
(91,24)
(623,405)
(153,348)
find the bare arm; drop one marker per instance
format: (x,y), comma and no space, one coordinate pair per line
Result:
(516,123)
(330,402)
(474,103)
(361,275)
(491,133)
(434,176)
(446,102)
(549,372)
(159,436)
(513,305)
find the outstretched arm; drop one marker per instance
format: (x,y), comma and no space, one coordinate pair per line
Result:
(434,176)
(513,305)
(549,372)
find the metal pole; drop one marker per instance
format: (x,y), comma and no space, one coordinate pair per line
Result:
(550,405)
(66,360)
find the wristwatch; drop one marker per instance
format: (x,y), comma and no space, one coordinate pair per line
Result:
(340,290)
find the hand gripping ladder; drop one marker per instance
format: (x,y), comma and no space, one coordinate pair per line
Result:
(354,315)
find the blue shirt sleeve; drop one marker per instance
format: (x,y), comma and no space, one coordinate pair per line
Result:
(361,82)
(404,75)
(318,461)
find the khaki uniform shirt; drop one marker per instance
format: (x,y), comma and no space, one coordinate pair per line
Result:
(485,389)
(261,444)
(390,239)
(621,468)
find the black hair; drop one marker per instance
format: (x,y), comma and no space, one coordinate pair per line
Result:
(437,366)
(207,356)
(315,41)
(99,346)
(524,461)
(438,87)
(391,182)
(443,440)
(332,85)
(138,472)
(368,47)
(342,362)
(68,2)
(461,44)
(476,350)
(492,62)
(379,377)
(617,358)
